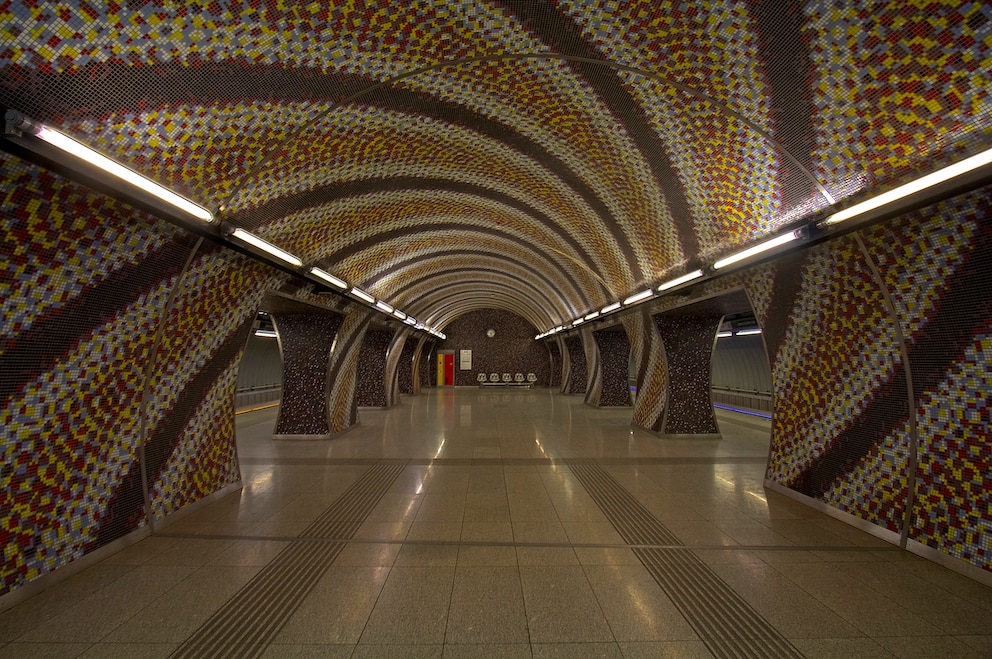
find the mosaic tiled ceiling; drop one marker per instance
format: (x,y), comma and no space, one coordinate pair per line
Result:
(547,157)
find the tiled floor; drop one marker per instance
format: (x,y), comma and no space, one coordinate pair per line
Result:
(469,523)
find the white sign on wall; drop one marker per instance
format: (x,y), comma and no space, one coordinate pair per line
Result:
(465,360)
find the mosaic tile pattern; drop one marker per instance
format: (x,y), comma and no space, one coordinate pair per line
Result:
(648,353)
(594,367)
(79,321)
(900,91)
(305,341)
(614,353)
(936,264)
(571,182)
(393,356)
(343,371)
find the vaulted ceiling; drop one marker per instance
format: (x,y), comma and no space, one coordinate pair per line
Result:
(546,157)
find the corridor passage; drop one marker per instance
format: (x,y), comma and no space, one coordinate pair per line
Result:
(517,523)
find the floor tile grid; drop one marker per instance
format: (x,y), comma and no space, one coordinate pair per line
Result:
(725,622)
(248,622)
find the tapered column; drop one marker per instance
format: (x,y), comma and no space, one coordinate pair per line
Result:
(372,384)
(613,355)
(577,373)
(341,403)
(305,341)
(404,365)
(648,356)
(688,344)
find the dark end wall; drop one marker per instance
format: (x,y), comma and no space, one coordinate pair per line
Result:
(512,350)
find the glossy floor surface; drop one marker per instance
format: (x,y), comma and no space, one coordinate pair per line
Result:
(467,523)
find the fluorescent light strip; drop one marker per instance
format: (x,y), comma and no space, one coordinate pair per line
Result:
(409,320)
(756,249)
(922,183)
(696,274)
(329,278)
(80,150)
(637,297)
(441,336)
(749,332)
(255,241)
(384,307)
(590,316)
(399,314)
(362,295)
(724,335)
(610,307)
(265,334)
(578,321)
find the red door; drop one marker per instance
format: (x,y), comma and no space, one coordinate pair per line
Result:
(449,369)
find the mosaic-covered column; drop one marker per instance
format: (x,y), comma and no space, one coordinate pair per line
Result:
(422,364)
(648,353)
(614,354)
(404,366)
(372,384)
(342,407)
(554,353)
(688,344)
(305,341)
(575,383)
(594,368)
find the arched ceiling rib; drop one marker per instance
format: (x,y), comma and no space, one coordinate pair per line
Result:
(571,150)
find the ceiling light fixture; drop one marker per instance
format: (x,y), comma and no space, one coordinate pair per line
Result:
(610,307)
(266,247)
(265,334)
(748,332)
(724,335)
(399,314)
(590,316)
(362,295)
(637,297)
(382,306)
(760,248)
(578,321)
(410,320)
(678,281)
(329,278)
(16,124)
(920,184)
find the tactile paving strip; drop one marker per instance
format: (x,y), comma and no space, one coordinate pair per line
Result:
(248,622)
(725,622)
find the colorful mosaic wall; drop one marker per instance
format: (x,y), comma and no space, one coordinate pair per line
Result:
(343,370)
(648,353)
(107,343)
(614,353)
(843,432)
(619,136)
(305,341)
(569,151)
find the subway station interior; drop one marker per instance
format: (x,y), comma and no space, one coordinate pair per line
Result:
(508,328)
